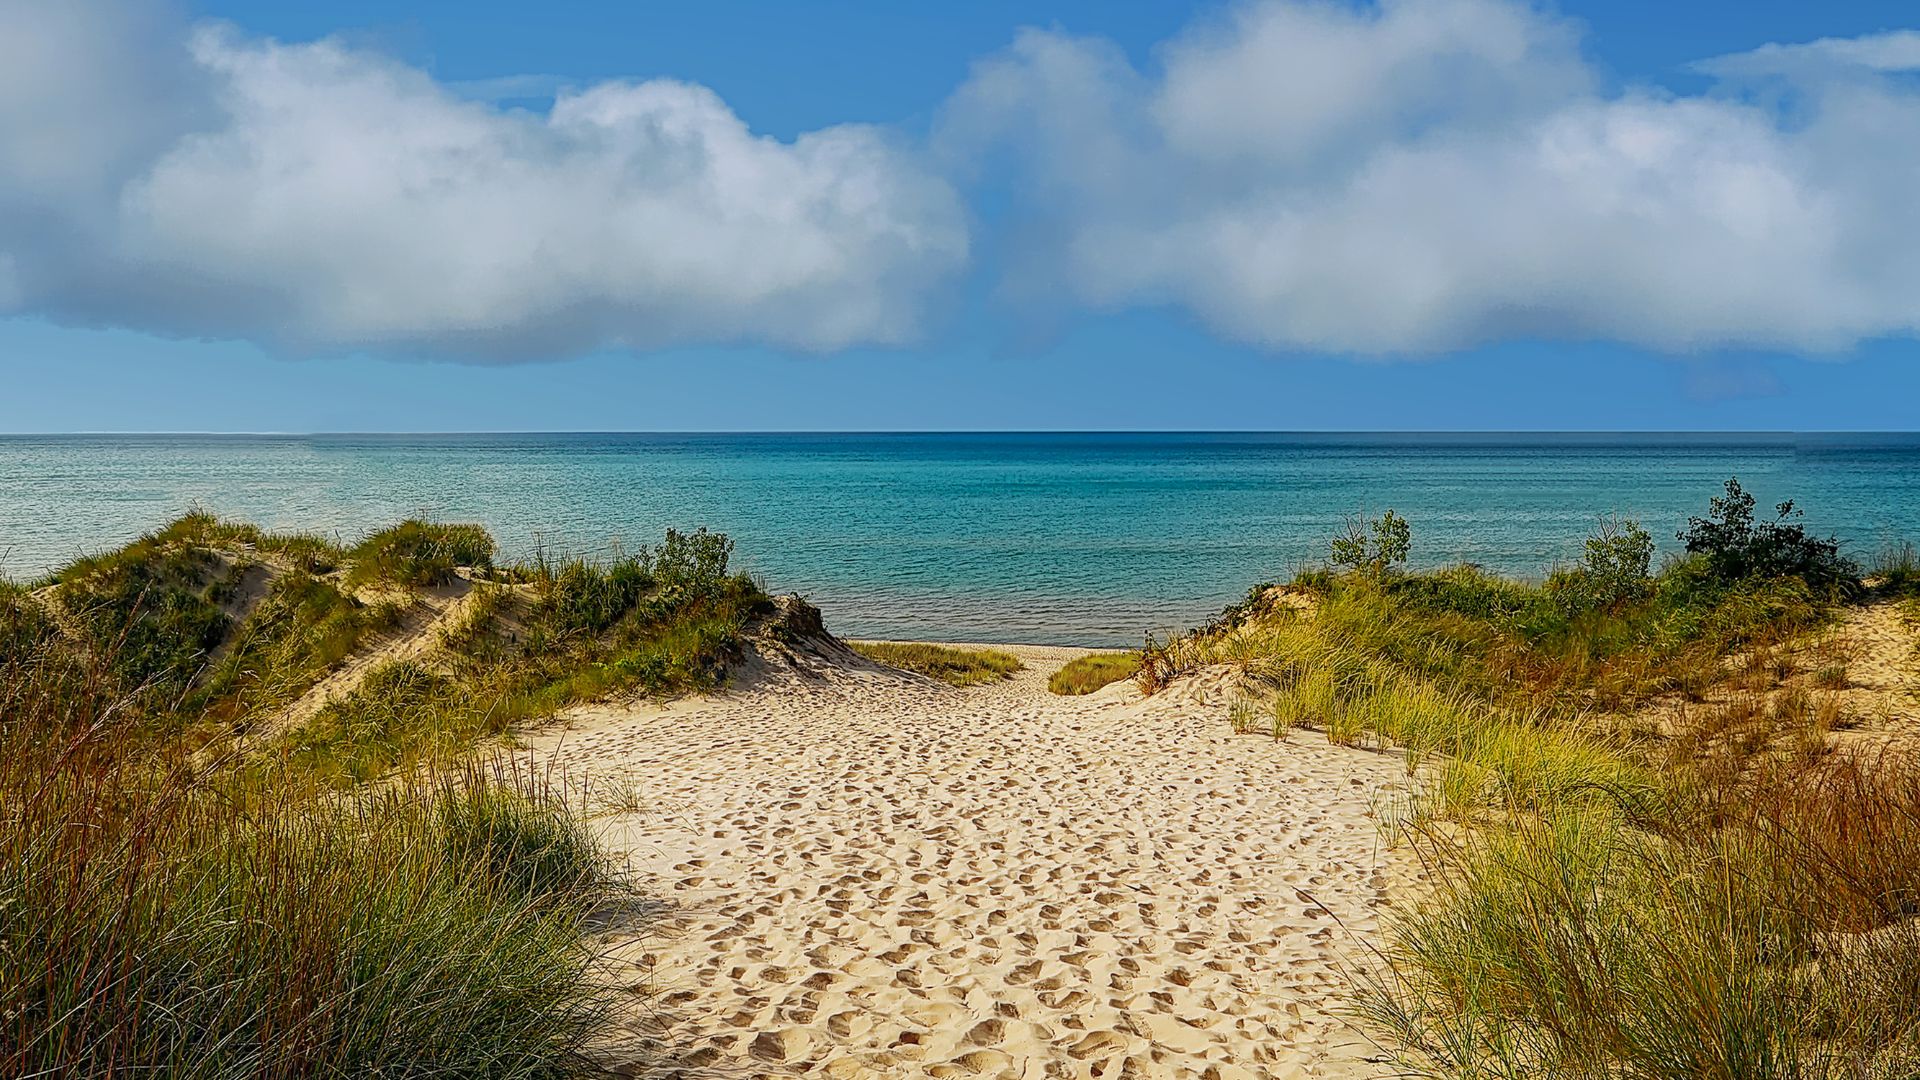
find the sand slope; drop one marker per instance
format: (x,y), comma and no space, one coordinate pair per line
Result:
(881,876)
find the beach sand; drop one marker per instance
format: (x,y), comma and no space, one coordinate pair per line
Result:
(871,874)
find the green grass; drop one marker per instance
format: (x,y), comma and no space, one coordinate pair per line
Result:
(164,918)
(420,553)
(153,607)
(1895,571)
(299,632)
(1085,674)
(1722,895)
(298,551)
(356,896)
(663,621)
(953,666)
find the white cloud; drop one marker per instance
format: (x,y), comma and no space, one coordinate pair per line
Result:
(323,199)
(1399,177)
(1423,175)
(1890,52)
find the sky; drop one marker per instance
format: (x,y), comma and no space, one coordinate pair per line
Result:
(1271,214)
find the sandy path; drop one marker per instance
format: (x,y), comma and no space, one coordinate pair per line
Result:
(880,876)
(1882,697)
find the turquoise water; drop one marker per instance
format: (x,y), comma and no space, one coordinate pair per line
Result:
(1046,538)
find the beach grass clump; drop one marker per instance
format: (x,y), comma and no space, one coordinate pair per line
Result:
(1895,570)
(166,916)
(1783,943)
(948,664)
(420,553)
(293,550)
(154,608)
(1085,674)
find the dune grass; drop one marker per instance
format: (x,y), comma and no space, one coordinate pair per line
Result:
(1716,893)
(661,621)
(420,553)
(168,917)
(361,895)
(1085,674)
(1895,570)
(953,666)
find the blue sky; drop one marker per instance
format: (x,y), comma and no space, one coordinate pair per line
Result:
(1074,226)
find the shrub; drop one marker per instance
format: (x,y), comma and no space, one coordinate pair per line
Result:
(1374,548)
(1613,572)
(1735,548)
(1088,673)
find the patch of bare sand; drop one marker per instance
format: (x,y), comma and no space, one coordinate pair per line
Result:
(1880,646)
(877,875)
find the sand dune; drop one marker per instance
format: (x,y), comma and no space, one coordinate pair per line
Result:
(877,875)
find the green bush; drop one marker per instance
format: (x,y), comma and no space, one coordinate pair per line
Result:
(1735,548)
(1613,573)
(1375,548)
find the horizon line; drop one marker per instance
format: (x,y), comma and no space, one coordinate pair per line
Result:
(290,434)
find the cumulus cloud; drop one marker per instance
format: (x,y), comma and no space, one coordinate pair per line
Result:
(1423,175)
(320,198)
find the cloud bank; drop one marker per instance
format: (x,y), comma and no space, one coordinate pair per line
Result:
(1400,177)
(1425,175)
(192,180)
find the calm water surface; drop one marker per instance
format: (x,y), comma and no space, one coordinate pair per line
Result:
(1046,538)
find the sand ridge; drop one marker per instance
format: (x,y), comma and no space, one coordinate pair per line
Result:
(877,875)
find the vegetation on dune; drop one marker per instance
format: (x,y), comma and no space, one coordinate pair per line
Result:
(169,917)
(953,666)
(661,621)
(205,662)
(1648,859)
(420,553)
(1085,674)
(300,630)
(1896,570)
(153,607)
(179,901)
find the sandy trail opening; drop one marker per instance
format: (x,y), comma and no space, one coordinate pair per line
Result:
(881,876)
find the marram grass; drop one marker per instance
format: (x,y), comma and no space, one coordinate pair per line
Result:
(1085,674)
(1719,893)
(954,666)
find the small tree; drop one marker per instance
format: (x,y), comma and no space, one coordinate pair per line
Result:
(1613,573)
(1374,548)
(1619,554)
(1735,548)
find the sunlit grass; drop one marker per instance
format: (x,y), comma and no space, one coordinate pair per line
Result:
(1085,674)
(953,666)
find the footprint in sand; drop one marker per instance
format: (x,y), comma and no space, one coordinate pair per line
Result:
(896,879)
